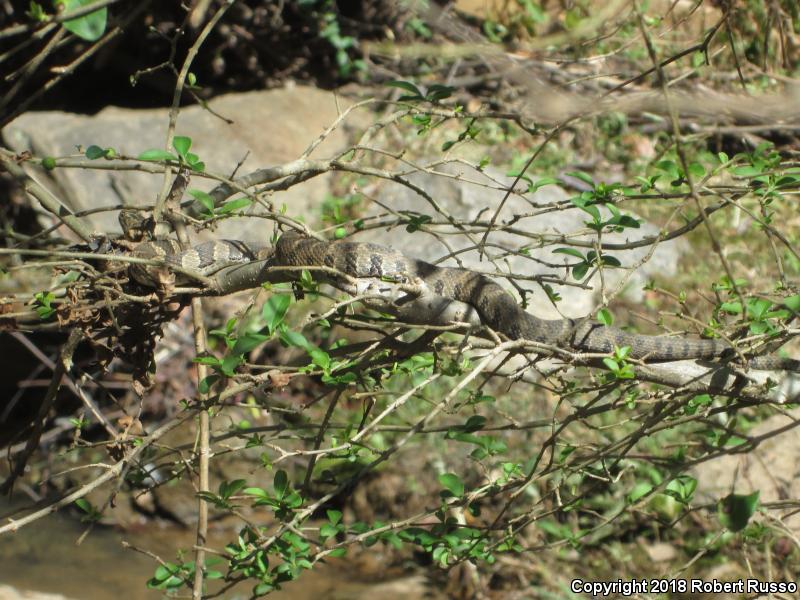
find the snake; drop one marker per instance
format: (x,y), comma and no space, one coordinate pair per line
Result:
(496,307)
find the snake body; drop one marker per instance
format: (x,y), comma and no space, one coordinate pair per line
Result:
(496,307)
(203,259)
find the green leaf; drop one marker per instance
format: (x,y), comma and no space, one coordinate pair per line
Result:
(746,171)
(459,436)
(520,175)
(565,452)
(573,18)
(328,531)
(94,152)
(415,221)
(696,170)
(557,530)
(205,384)
(438,92)
(474,423)
(580,271)
(757,308)
(570,252)
(334,516)
(452,483)
(611,364)
(628,221)
(682,488)
(182,143)
(535,12)
(340,233)
(207,360)
(733,308)
(229,364)
(155,154)
(792,303)
(204,198)
(593,212)
(640,490)
(583,199)
(494,31)
(280,482)
(36,12)
(248,341)
(605,317)
(262,589)
(320,358)
(540,183)
(255,491)
(49,163)
(167,576)
(162,573)
(697,402)
(88,27)
(84,505)
(423,121)
(584,177)
(229,488)
(407,86)
(274,310)
(735,510)
(295,338)
(669,167)
(234,205)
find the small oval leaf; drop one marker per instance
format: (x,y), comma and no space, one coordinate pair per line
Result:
(155,154)
(94,152)
(605,317)
(181,143)
(452,483)
(88,27)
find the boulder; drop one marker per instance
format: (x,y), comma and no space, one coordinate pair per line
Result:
(269,128)
(467,195)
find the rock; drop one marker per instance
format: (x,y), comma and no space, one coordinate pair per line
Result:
(271,128)
(9,593)
(467,195)
(411,587)
(275,127)
(660,551)
(773,468)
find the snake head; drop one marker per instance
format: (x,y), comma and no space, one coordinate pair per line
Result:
(136,227)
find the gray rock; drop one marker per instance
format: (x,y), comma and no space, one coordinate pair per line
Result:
(270,128)
(276,127)
(659,552)
(469,195)
(9,593)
